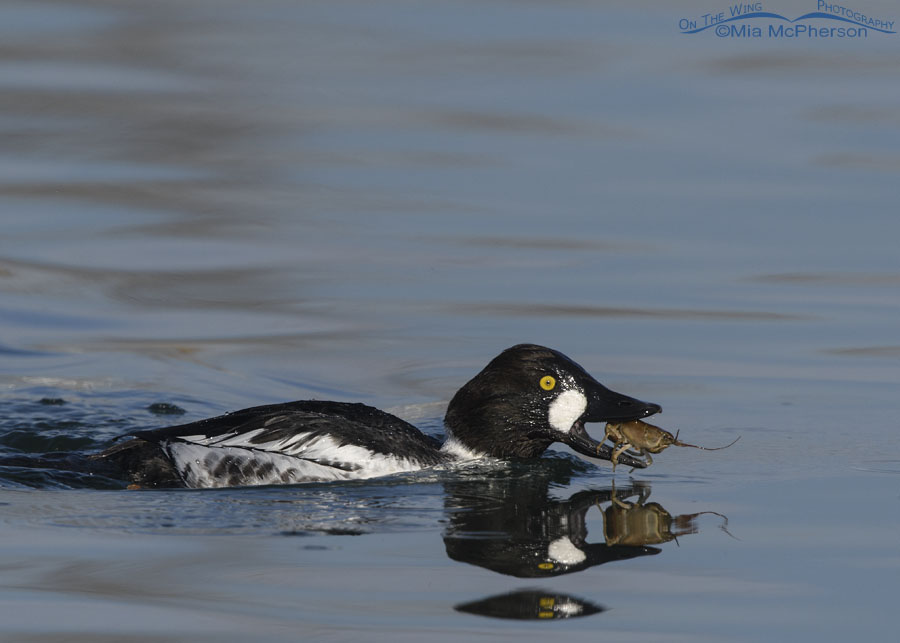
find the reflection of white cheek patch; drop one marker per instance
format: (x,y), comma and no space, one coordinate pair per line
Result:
(565,409)
(564,551)
(569,609)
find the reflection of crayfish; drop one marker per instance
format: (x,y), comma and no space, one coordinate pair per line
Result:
(641,523)
(645,439)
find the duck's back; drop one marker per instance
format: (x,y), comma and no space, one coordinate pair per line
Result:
(303,441)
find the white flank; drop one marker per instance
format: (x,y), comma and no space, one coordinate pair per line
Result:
(565,409)
(562,550)
(294,459)
(460,451)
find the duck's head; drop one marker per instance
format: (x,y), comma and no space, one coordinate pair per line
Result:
(529,397)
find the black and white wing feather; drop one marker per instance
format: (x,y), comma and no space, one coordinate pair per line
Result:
(302,441)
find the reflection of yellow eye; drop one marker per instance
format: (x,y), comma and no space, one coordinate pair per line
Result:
(548,382)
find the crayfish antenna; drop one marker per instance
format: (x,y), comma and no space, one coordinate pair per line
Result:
(685,444)
(723,526)
(720,448)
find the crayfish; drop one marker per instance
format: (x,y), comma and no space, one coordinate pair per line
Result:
(645,439)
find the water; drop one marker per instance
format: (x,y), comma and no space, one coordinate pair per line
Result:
(214,205)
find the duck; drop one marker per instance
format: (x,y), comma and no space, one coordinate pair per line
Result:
(526,398)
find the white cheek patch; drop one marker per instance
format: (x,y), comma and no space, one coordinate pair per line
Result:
(565,409)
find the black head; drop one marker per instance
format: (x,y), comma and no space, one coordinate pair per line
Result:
(529,397)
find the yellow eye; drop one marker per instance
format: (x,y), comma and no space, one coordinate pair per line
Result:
(548,382)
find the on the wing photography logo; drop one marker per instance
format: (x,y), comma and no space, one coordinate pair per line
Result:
(752,20)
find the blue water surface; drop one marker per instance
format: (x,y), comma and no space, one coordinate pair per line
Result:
(213,205)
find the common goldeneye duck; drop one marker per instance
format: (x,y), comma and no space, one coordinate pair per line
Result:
(525,399)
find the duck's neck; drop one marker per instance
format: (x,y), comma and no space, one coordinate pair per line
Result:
(474,435)
(459,451)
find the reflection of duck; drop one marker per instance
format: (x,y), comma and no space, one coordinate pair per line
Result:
(511,526)
(531,604)
(524,400)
